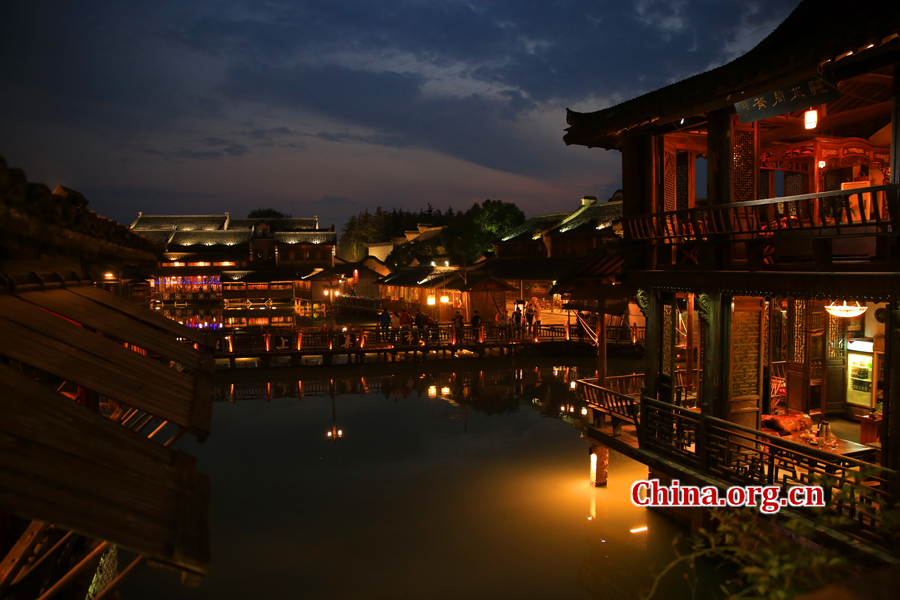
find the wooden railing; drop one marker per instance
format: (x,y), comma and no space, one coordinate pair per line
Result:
(286,340)
(619,407)
(738,455)
(859,212)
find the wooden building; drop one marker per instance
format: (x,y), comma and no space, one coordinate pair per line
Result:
(534,255)
(93,391)
(211,258)
(440,291)
(747,272)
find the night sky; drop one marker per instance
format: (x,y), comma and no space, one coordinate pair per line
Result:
(329,107)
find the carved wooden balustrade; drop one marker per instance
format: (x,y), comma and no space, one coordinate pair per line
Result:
(736,455)
(861,212)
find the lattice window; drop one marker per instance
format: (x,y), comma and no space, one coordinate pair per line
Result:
(762,189)
(745,340)
(668,334)
(681,180)
(797,350)
(835,337)
(744,163)
(669,180)
(793,184)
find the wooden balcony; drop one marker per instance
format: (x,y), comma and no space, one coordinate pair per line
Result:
(705,448)
(824,228)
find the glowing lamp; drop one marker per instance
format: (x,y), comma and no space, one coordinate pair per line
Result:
(584,411)
(329,434)
(430,299)
(638,529)
(846,310)
(811,118)
(337,292)
(572,385)
(327,292)
(432,391)
(445,390)
(445,299)
(821,164)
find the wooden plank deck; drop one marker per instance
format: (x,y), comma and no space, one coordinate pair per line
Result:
(42,339)
(62,464)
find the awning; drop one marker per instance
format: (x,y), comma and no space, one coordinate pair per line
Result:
(62,464)
(172,380)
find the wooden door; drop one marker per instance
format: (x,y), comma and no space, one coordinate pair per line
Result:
(747,360)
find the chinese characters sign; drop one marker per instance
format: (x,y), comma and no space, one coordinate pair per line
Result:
(797,96)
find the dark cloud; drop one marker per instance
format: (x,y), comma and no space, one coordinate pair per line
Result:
(171,82)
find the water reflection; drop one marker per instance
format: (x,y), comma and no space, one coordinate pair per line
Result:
(219,317)
(488,391)
(465,482)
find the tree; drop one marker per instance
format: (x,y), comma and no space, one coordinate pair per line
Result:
(267,213)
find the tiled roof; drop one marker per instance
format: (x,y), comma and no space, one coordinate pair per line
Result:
(817,31)
(179,222)
(590,218)
(533,227)
(210,238)
(306,237)
(417,276)
(285,224)
(160,235)
(528,269)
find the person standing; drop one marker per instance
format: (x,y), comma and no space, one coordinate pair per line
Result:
(385,322)
(537,317)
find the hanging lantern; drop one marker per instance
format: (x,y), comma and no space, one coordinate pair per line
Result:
(846,310)
(811,118)
(821,164)
(430,299)
(445,299)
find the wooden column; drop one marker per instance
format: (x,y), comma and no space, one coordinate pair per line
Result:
(715,312)
(652,334)
(601,349)
(637,188)
(689,344)
(890,440)
(718,180)
(599,465)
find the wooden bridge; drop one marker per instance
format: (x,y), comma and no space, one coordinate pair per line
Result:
(358,343)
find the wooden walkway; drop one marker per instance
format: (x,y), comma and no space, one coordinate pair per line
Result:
(358,343)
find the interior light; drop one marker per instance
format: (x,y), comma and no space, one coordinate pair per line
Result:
(821,164)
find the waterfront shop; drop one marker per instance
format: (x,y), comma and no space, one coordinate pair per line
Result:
(762,205)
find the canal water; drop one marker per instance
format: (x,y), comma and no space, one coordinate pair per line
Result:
(446,479)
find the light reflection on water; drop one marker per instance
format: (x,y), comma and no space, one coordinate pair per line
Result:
(471,493)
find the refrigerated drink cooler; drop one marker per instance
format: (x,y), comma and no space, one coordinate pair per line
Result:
(862,368)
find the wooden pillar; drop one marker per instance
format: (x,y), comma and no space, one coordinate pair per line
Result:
(718,180)
(652,345)
(601,349)
(715,312)
(637,188)
(890,441)
(599,465)
(689,344)
(895,129)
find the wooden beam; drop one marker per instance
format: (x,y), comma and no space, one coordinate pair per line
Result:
(833,121)
(18,556)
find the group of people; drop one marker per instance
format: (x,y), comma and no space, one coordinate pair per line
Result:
(527,316)
(530,317)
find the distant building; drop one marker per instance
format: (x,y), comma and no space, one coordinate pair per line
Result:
(239,261)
